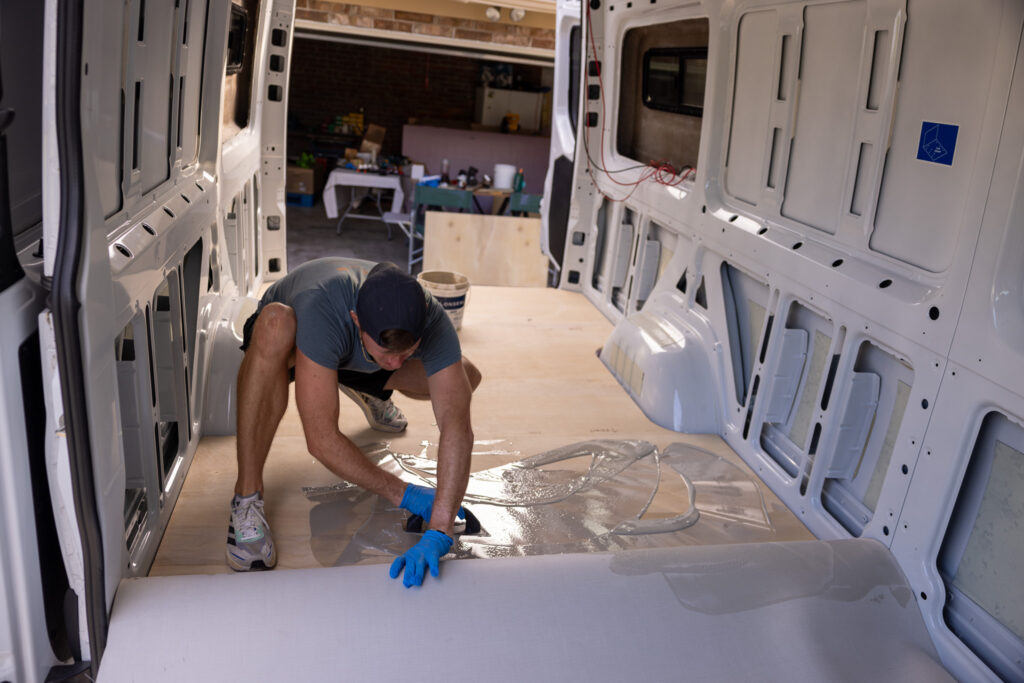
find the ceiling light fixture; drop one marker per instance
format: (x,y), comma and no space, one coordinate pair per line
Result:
(493,13)
(517,14)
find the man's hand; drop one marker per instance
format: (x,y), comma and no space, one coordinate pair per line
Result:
(427,553)
(419,500)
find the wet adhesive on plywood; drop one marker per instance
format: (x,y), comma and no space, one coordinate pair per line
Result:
(592,496)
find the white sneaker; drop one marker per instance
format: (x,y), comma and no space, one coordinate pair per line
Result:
(249,544)
(384,416)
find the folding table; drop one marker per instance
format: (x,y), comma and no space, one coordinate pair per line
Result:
(341,177)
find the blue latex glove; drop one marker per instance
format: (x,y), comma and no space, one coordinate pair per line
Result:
(427,553)
(419,500)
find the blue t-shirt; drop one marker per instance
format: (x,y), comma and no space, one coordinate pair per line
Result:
(323,291)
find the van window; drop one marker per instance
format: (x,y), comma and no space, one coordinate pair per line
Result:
(236,39)
(239,67)
(673,80)
(661,92)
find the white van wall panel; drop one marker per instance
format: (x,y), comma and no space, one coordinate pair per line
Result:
(830,61)
(668,206)
(931,196)
(957,415)
(98,328)
(914,230)
(153,59)
(192,71)
(252,161)
(25,651)
(274,120)
(1006,294)
(103,97)
(132,287)
(875,104)
(990,336)
(216,19)
(905,437)
(746,166)
(563,128)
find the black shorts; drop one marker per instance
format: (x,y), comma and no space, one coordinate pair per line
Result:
(367,382)
(250,322)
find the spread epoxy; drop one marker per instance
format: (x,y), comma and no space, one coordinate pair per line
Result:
(591,496)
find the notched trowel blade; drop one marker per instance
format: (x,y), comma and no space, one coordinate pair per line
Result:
(468,527)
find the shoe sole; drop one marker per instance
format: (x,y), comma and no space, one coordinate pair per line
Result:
(254,565)
(368,414)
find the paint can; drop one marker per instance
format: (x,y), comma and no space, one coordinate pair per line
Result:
(503,176)
(451,290)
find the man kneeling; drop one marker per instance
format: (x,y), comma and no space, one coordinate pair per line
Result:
(367,330)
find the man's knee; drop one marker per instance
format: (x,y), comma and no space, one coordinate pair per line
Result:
(274,332)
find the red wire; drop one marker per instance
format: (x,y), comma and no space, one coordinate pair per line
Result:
(662,172)
(600,85)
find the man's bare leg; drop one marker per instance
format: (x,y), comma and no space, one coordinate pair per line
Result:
(411,379)
(262,392)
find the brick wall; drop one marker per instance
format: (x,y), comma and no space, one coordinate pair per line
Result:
(390,86)
(329,12)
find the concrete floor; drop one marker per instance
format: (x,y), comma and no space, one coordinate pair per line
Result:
(311,234)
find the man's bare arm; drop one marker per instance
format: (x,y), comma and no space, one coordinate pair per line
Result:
(450,394)
(316,395)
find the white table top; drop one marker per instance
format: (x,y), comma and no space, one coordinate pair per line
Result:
(343,177)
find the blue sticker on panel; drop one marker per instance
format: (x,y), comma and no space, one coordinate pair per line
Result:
(938,141)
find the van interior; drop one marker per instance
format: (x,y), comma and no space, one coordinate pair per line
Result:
(764,421)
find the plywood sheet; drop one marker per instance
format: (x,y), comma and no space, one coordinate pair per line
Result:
(489,250)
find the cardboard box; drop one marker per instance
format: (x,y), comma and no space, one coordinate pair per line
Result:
(375,133)
(373,140)
(371,150)
(299,180)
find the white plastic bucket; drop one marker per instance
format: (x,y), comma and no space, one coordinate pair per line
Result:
(450,289)
(503,176)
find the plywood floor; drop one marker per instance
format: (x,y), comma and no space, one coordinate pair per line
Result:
(543,388)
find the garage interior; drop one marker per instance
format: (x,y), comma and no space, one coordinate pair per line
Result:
(415,83)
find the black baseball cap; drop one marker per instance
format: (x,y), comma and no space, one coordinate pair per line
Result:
(391,299)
